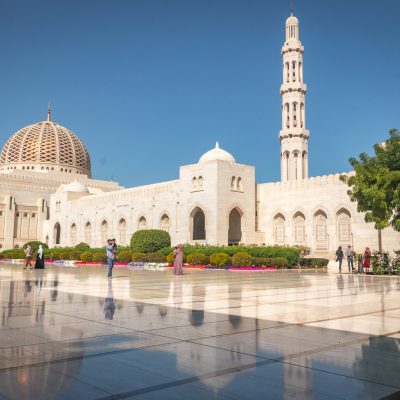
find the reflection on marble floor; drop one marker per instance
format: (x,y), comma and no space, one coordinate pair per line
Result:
(69,333)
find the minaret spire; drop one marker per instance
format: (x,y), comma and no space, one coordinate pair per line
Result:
(293,135)
(291,8)
(49,111)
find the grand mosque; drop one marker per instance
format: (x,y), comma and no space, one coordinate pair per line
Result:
(47,192)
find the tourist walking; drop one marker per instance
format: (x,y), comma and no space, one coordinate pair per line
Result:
(28,256)
(367,259)
(350,258)
(178,260)
(339,257)
(39,264)
(111,251)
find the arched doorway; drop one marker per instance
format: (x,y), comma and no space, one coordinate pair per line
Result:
(343,220)
(142,223)
(73,234)
(122,231)
(164,223)
(57,233)
(235,227)
(198,224)
(321,231)
(88,233)
(104,232)
(299,228)
(279,229)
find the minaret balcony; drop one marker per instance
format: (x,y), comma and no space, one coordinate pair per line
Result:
(293,87)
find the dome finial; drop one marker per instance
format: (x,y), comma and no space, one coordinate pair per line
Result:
(217,145)
(49,111)
(291,7)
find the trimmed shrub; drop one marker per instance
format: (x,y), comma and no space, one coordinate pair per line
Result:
(99,257)
(35,245)
(278,262)
(124,256)
(242,259)
(82,246)
(138,257)
(150,240)
(75,255)
(220,259)
(86,257)
(198,259)
(170,258)
(155,257)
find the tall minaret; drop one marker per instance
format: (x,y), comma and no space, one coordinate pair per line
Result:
(294,135)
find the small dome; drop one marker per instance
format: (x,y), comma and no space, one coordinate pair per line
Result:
(292,20)
(217,154)
(77,187)
(45,146)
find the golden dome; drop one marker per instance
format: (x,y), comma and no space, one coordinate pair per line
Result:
(45,146)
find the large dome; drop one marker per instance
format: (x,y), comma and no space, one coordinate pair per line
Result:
(45,146)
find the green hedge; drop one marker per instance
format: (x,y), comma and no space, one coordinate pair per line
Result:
(124,256)
(150,240)
(313,262)
(82,246)
(278,262)
(138,257)
(99,257)
(86,257)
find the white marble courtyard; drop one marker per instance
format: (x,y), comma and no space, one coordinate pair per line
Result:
(69,333)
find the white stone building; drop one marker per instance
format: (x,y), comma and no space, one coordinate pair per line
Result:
(47,192)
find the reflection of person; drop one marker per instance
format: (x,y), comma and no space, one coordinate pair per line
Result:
(28,256)
(178,260)
(111,251)
(339,257)
(109,305)
(350,259)
(39,264)
(367,259)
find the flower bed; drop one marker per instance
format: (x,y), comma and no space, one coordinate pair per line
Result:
(252,269)
(149,266)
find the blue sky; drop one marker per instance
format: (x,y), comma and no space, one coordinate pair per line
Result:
(150,85)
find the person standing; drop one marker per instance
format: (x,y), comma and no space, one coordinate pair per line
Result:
(178,260)
(339,257)
(350,259)
(111,251)
(367,259)
(28,256)
(39,264)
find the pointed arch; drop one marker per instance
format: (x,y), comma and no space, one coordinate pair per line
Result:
(142,223)
(299,228)
(165,222)
(321,230)
(122,231)
(279,228)
(343,227)
(104,231)
(198,224)
(57,233)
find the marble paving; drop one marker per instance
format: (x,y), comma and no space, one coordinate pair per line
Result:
(70,333)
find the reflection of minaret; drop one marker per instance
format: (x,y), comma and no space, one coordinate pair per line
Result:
(294,135)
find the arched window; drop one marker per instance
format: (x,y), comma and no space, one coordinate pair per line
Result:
(57,233)
(294,71)
(304,164)
(239,185)
(233,179)
(122,231)
(299,225)
(302,115)
(296,165)
(300,72)
(285,166)
(279,229)
(343,220)
(88,233)
(194,183)
(142,223)
(164,223)
(73,234)
(287,115)
(287,72)
(104,232)
(294,114)
(198,224)
(200,181)
(320,230)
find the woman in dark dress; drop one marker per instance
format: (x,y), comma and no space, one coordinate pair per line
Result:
(39,264)
(367,259)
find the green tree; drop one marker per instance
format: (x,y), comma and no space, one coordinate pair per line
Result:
(375,186)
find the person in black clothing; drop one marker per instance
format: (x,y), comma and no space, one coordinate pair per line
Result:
(339,257)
